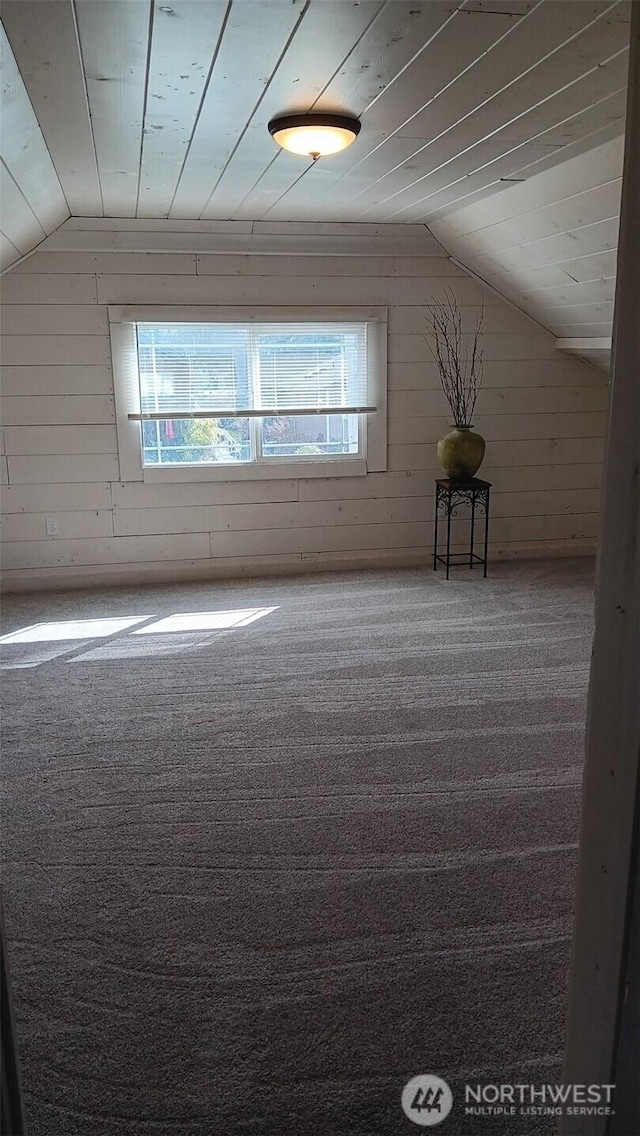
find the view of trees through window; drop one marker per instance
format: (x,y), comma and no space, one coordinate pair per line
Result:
(171,441)
(191,369)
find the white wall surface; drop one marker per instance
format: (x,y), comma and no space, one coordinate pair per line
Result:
(542,413)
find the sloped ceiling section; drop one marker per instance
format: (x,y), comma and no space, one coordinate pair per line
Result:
(160,110)
(549,245)
(33,203)
(497,123)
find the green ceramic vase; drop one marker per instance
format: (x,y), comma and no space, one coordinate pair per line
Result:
(460,453)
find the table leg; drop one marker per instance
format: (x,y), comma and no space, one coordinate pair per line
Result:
(473,521)
(448,532)
(486,532)
(435,533)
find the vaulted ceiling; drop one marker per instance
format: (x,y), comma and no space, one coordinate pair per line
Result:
(470,112)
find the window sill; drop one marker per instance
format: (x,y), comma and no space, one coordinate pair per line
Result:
(252,471)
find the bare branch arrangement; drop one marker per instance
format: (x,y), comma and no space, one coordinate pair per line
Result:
(459,361)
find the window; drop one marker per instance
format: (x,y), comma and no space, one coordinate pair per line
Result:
(206,393)
(202,384)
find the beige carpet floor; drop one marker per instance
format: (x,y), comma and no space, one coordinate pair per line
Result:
(311,837)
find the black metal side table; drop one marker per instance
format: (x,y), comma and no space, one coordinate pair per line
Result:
(449,495)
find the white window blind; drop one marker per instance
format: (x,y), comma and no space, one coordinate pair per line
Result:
(191,370)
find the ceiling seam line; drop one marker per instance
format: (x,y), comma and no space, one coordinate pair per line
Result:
(554,263)
(545,157)
(578,142)
(10,242)
(453,206)
(145,101)
(284,194)
(214,60)
(582,256)
(351,51)
(547,237)
(573,283)
(25,199)
(289,40)
(549,54)
(498,130)
(437,95)
(548,205)
(255,184)
(513,150)
(87,103)
(313,104)
(613,94)
(470,114)
(418,53)
(37,121)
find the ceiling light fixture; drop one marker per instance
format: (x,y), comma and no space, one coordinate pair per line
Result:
(314,135)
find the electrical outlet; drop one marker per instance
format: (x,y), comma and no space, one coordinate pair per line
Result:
(52,526)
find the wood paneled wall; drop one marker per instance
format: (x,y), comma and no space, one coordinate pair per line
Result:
(549,244)
(543,415)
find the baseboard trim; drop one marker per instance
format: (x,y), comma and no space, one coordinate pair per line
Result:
(184,571)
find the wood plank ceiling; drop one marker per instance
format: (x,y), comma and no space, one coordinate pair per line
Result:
(135,108)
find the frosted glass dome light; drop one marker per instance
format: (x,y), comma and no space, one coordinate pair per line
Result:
(314,135)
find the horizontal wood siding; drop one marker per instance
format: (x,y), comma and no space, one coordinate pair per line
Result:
(543,415)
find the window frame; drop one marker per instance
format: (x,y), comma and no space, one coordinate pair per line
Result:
(373,426)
